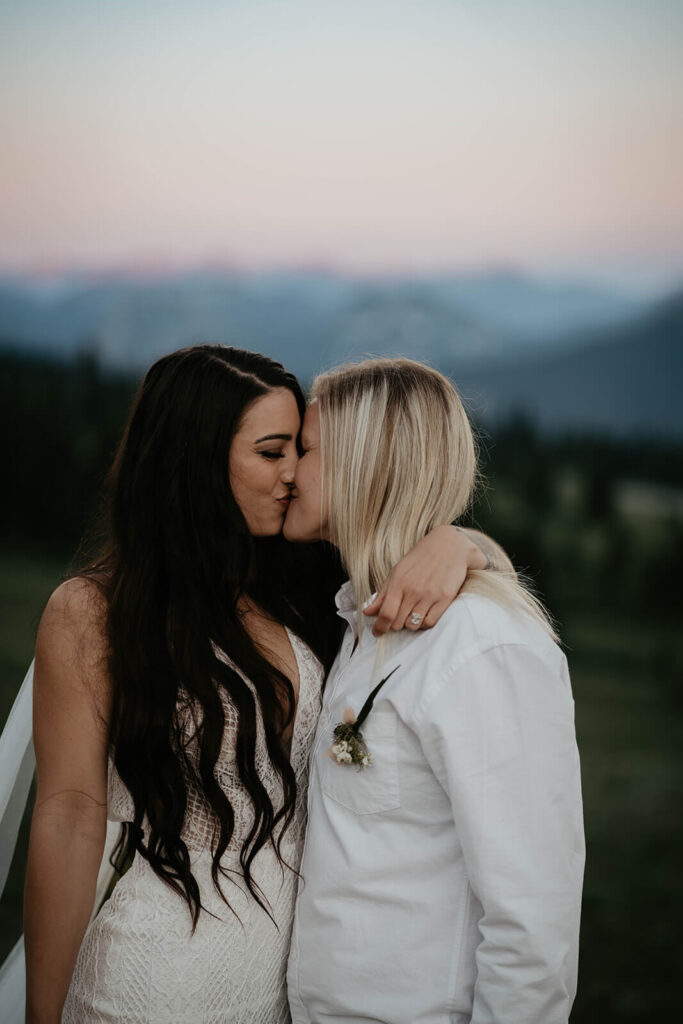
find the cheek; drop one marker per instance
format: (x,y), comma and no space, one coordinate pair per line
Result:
(237,487)
(251,482)
(323,505)
(302,484)
(311,494)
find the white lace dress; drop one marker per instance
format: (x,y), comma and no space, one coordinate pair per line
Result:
(140,963)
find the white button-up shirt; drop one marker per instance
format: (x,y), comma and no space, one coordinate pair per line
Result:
(443,882)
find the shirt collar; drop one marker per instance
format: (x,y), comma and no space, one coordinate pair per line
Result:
(345,599)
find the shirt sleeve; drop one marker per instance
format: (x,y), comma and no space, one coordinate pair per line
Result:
(499,735)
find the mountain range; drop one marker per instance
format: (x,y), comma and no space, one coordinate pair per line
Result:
(622,380)
(570,354)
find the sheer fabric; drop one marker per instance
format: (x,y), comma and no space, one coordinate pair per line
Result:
(17,765)
(17,768)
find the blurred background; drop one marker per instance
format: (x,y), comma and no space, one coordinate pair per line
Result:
(493,186)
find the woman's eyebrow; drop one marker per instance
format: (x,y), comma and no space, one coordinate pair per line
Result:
(274,437)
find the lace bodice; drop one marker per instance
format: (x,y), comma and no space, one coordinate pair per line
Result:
(141,963)
(199,823)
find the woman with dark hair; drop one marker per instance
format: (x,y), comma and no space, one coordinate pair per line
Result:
(177,689)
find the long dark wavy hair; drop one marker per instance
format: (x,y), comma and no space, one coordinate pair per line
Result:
(175,558)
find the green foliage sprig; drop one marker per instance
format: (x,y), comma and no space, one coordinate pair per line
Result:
(349,746)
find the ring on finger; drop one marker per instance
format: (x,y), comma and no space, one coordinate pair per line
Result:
(416,619)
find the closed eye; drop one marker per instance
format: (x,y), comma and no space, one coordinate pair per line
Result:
(273,455)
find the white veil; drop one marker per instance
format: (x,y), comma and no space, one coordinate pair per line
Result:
(17,765)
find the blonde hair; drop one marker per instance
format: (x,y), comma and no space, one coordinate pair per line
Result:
(398,458)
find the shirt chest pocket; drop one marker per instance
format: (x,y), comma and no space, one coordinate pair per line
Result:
(373,789)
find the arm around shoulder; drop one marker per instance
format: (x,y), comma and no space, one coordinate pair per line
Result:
(70,724)
(429,578)
(493,556)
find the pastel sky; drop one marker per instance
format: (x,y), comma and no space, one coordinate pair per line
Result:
(364,134)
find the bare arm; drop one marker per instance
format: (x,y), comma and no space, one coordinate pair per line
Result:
(69,820)
(495,556)
(430,577)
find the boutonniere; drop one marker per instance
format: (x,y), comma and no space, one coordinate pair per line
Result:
(349,747)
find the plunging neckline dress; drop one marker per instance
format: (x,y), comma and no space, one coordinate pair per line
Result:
(140,963)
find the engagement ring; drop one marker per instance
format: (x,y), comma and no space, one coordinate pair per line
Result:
(416,619)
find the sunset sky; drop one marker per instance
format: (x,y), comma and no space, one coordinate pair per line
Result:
(359,134)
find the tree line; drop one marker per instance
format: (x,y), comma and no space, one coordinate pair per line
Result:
(553,502)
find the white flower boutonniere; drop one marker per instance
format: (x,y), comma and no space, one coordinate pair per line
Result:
(349,747)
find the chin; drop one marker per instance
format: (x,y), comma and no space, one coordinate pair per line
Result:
(263,530)
(288,532)
(293,532)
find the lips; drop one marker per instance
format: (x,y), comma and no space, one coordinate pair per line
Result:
(284,501)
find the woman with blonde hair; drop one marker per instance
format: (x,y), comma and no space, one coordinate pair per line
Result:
(442,870)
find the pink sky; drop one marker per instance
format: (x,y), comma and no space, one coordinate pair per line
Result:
(368,135)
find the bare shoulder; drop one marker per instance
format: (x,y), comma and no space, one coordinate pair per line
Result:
(72,637)
(496,556)
(75,613)
(72,697)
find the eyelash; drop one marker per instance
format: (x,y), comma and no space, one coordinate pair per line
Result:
(273,455)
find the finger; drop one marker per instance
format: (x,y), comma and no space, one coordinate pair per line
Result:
(374,608)
(419,612)
(408,602)
(435,613)
(386,615)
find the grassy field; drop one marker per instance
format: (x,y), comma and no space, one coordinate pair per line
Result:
(629,712)
(629,721)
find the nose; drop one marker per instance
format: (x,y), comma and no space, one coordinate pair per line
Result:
(288,468)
